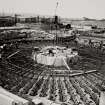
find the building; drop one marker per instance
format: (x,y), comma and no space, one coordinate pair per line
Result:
(7,21)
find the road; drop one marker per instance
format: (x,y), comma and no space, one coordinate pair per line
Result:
(93,38)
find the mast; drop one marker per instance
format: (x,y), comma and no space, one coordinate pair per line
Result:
(56,8)
(56,21)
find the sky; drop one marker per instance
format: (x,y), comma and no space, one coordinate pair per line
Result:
(66,8)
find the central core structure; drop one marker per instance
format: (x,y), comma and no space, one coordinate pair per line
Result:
(56,56)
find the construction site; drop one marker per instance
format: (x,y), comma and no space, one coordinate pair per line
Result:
(49,61)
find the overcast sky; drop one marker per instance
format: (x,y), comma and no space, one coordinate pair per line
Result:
(66,8)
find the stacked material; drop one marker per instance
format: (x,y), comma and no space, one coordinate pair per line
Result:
(43,101)
(22,76)
(56,56)
(7,98)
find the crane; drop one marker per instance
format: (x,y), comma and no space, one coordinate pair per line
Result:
(56,7)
